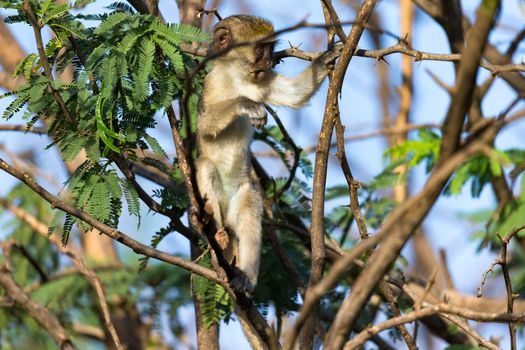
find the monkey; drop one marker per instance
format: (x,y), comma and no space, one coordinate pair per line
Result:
(236,89)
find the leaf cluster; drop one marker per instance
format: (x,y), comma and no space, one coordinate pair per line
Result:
(126,71)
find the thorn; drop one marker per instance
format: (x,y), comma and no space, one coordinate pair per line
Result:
(382,59)
(294,47)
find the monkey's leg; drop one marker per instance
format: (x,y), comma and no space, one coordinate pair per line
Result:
(244,217)
(210,188)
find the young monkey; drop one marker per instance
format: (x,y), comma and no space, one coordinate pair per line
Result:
(236,89)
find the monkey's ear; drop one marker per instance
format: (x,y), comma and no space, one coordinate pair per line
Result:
(222,38)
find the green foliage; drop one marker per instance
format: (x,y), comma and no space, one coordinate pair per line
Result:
(127,69)
(66,293)
(500,221)
(156,147)
(296,200)
(155,241)
(215,303)
(478,169)
(25,66)
(273,273)
(273,137)
(413,152)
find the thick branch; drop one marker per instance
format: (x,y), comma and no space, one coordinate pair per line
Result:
(39,313)
(121,237)
(33,130)
(321,161)
(88,273)
(11,52)
(433,310)
(466,78)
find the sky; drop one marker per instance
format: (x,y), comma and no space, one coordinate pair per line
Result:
(360,110)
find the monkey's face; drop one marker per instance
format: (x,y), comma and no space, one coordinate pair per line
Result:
(261,60)
(255,58)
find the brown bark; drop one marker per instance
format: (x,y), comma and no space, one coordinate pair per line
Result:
(100,250)
(403,222)
(207,337)
(10,51)
(400,191)
(39,313)
(321,162)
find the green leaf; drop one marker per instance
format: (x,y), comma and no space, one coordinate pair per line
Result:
(109,75)
(113,183)
(66,228)
(144,66)
(177,33)
(108,25)
(155,146)
(460,177)
(100,202)
(106,135)
(72,149)
(95,56)
(15,106)
(56,11)
(132,198)
(26,66)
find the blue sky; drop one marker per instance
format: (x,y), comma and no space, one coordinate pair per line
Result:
(361,113)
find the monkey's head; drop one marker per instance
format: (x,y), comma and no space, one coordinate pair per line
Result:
(257,57)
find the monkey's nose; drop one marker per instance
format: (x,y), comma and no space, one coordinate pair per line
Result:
(260,74)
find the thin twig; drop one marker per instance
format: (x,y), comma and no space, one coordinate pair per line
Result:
(45,63)
(392,301)
(296,151)
(214,11)
(32,130)
(117,235)
(470,331)
(153,205)
(334,18)
(427,289)
(429,310)
(402,48)
(82,267)
(449,282)
(502,261)
(39,313)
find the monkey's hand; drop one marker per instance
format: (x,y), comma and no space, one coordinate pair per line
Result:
(258,115)
(241,282)
(329,57)
(258,122)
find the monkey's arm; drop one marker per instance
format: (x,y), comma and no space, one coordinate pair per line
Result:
(215,117)
(295,92)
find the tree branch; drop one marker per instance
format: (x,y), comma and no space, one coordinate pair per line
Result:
(433,310)
(26,7)
(39,313)
(87,272)
(117,235)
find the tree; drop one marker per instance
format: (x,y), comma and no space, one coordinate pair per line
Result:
(101,87)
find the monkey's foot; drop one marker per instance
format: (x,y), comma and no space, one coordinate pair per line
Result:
(208,208)
(222,238)
(241,283)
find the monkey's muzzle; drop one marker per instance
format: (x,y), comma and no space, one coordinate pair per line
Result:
(259,74)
